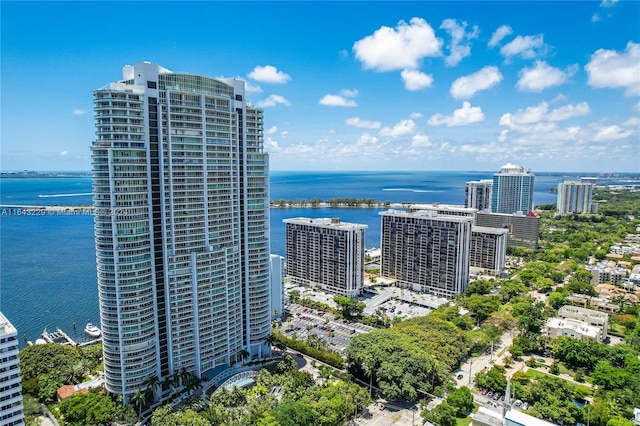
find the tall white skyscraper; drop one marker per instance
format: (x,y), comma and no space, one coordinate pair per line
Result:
(326,253)
(575,197)
(512,190)
(181,192)
(11,409)
(477,194)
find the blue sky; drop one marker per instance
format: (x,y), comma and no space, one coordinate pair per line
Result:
(553,86)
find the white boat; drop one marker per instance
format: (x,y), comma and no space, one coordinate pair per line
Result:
(92,330)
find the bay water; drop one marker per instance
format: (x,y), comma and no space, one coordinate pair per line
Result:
(47,263)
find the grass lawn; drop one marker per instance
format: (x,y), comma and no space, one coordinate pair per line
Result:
(584,389)
(465,421)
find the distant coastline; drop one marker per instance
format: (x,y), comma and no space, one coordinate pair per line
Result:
(30,174)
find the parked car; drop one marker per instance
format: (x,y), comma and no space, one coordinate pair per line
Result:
(459,376)
(496,396)
(489,394)
(525,405)
(518,403)
(485,390)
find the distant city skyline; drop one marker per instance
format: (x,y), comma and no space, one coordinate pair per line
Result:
(553,86)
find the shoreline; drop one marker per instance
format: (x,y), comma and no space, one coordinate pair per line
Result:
(84,208)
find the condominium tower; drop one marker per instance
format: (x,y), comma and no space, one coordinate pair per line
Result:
(326,253)
(477,194)
(11,409)
(426,251)
(181,197)
(575,197)
(512,190)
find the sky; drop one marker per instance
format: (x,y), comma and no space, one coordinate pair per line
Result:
(469,86)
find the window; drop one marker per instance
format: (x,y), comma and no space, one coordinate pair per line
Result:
(238,97)
(152,85)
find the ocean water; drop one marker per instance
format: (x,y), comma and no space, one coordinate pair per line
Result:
(47,263)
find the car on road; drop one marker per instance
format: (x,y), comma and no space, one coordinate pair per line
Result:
(352,331)
(459,376)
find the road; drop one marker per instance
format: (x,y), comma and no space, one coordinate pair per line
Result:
(472,366)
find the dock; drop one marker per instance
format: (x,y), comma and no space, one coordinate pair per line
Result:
(58,336)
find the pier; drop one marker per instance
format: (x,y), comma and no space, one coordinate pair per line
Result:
(58,336)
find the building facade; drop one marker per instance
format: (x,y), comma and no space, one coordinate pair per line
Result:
(181,196)
(575,197)
(11,409)
(276,265)
(488,248)
(426,251)
(512,190)
(477,194)
(326,253)
(523,230)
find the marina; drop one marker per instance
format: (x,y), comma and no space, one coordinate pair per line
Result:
(63,338)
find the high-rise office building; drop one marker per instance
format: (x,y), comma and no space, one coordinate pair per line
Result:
(326,253)
(181,196)
(426,251)
(477,194)
(523,230)
(512,190)
(575,197)
(11,409)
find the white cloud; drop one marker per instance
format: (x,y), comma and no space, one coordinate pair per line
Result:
(420,141)
(341,99)
(416,80)
(79,111)
(268,74)
(526,47)
(284,134)
(349,93)
(363,124)
(595,17)
(272,130)
(272,101)
(404,127)
(460,117)
(64,153)
(499,34)
(608,68)
(458,49)
(543,75)
(608,3)
(271,145)
(612,133)
(404,47)
(415,115)
(250,88)
(534,115)
(467,86)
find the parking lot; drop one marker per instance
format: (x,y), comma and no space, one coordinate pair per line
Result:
(303,322)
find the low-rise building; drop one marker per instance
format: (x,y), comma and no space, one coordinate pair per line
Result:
(593,302)
(590,318)
(575,329)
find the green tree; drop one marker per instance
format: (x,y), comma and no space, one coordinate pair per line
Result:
(462,400)
(348,307)
(294,296)
(295,413)
(481,306)
(89,408)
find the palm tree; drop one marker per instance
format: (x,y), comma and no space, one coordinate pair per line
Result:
(152,384)
(243,354)
(138,399)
